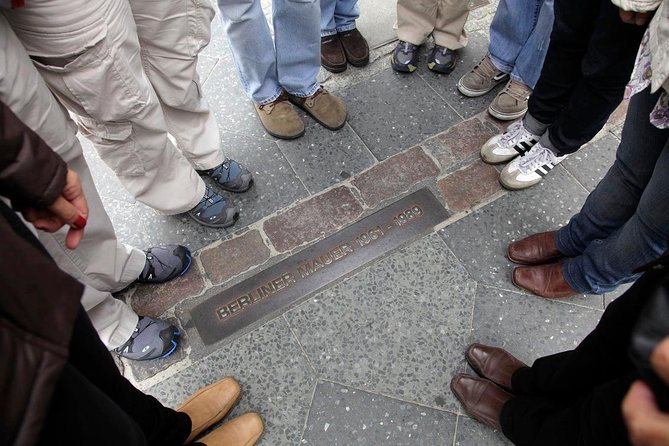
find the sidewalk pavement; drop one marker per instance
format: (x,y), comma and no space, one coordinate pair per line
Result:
(369,359)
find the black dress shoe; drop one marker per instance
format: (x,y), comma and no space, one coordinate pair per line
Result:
(493,363)
(480,398)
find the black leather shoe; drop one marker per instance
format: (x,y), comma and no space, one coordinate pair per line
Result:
(480,398)
(493,363)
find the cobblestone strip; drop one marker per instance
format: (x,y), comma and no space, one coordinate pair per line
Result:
(468,186)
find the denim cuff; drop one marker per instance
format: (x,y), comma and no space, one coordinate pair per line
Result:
(272,98)
(328,32)
(574,279)
(500,64)
(545,141)
(308,93)
(564,244)
(343,29)
(534,126)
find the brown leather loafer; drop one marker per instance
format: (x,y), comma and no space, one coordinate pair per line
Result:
(480,398)
(327,109)
(543,280)
(244,430)
(210,404)
(535,249)
(355,47)
(493,363)
(332,54)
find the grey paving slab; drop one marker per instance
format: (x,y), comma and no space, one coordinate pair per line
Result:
(392,112)
(480,240)
(590,164)
(446,86)
(528,326)
(397,328)
(275,377)
(613,295)
(342,416)
(205,65)
(322,157)
(472,433)
(376,22)
(276,184)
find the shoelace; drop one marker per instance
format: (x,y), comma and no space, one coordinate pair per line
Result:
(535,158)
(518,91)
(151,271)
(269,107)
(513,134)
(407,47)
(210,198)
(486,69)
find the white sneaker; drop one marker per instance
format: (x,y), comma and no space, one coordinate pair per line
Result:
(515,141)
(529,169)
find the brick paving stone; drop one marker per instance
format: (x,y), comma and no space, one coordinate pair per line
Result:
(319,216)
(463,140)
(154,300)
(395,175)
(233,257)
(468,186)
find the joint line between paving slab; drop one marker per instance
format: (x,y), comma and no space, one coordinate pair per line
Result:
(290,327)
(311,404)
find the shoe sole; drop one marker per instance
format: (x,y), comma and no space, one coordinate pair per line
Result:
(403,68)
(286,137)
(307,111)
(234,220)
(447,70)
(334,68)
(359,64)
(506,116)
(174,347)
(471,93)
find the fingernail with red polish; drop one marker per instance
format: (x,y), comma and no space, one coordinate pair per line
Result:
(79,223)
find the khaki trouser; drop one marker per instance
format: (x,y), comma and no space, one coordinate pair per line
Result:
(444,20)
(128,81)
(101,261)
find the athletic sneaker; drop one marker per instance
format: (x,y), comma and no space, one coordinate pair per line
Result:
(511,102)
(152,339)
(483,78)
(231,176)
(214,211)
(529,169)
(164,263)
(515,141)
(441,59)
(405,57)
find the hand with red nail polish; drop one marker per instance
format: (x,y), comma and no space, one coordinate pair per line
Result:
(70,209)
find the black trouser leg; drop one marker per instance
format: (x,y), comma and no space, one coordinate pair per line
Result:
(588,63)
(94,404)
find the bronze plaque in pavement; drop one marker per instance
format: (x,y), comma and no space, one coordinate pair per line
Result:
(310,270)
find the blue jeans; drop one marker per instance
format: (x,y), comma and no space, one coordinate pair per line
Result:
(519,37)
(624,222)
(290,62)
(338,16)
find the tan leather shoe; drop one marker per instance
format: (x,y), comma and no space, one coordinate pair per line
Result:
(493,363)
(327,109)
(535,249)
(333,58)
(209,405)
(543,280)
(244,430)
(480,398)
(280,119)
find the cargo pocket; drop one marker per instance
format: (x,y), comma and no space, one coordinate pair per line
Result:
(115,145)
(200,15)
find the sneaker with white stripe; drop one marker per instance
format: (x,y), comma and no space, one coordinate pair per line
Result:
(529,169)
(515,141)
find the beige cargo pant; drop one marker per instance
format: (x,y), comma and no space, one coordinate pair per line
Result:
(101,261)
(126,69)
(444,20)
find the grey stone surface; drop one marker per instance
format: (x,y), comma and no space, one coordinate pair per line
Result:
(397,328)
(472,433)
(342,416)
(480,240)
(376,22)
(276,381)
(323,158)
(613,295)
(446,86)
(528,326)
(205,66)
(590,164)
(392,112)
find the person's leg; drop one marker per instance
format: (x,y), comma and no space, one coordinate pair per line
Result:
(605,70)
(532,53)
(252,47)
(511,27)
(328,24)
(296,36)
(592,419)
(105,87)
(171,34)
(449,29)
(599,358)
(94,404)
(345,14)
(561,70)
(416,20)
